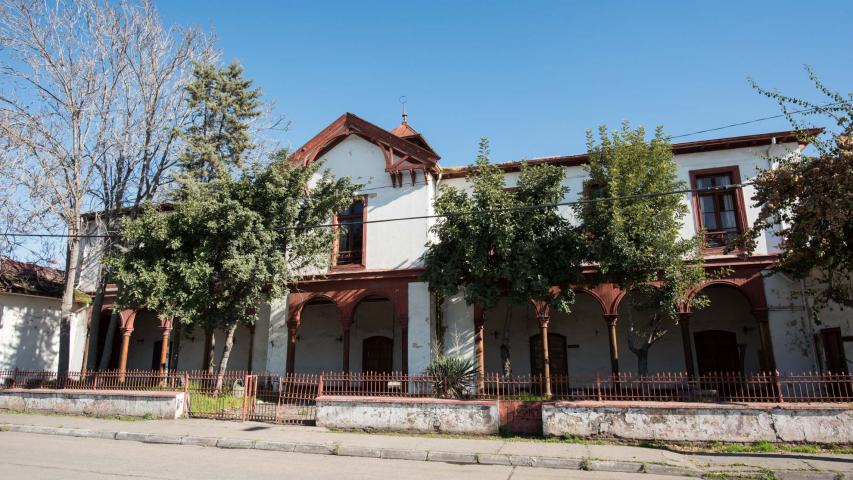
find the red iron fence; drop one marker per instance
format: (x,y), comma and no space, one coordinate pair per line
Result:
(292,398)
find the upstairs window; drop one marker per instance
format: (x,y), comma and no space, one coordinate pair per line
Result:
(349,244)
(720,209)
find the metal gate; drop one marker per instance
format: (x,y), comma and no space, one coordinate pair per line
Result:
(290,399)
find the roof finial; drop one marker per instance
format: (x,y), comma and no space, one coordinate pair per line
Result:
(403,99)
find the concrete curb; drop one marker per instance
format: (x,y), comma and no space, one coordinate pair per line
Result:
(399,454)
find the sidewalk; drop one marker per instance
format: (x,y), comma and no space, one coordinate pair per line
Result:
(614,458)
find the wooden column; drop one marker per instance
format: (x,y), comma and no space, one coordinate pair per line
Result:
(127,318)
(250,364)
(125,346)
(543,328)
(543,315)
(761,317)
(479,350)
(687,342)
(291,347)
(166,328)
(611,319)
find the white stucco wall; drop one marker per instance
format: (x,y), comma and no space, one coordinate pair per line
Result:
(420,327)
(275,313)
(459,327)
(748,161)
(29,333)
(393,245)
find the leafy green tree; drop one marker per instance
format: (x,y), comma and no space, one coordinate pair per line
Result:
(222,104)
(495,241)
(808,200)
(225,245)
(633,232)
(233,234)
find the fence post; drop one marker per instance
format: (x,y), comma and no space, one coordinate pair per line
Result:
(320,385)
(187,394)
(95,381)
(598,384)
(778,382)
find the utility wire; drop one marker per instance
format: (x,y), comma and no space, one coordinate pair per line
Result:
(529,207)
(456,214)
(796,112)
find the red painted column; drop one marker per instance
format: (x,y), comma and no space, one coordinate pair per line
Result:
(127,318)
(543,314)
(291,347)
(611,319)
(165,328)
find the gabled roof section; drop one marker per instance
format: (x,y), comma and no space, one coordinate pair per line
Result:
(351,124)
(30,279)
(406,132)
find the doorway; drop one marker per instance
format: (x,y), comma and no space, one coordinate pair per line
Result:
(717,352)
(377,354)
(833,348)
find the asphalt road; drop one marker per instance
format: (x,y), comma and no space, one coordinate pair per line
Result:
(35,457)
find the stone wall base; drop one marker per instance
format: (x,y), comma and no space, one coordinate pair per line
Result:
(96,403)
(422,415)
(816,423)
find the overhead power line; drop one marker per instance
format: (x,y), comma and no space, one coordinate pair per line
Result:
(756,120)
(422,217)
(454,214)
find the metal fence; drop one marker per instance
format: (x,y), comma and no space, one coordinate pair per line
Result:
(292,398)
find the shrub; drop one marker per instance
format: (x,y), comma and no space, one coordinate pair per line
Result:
(453,377)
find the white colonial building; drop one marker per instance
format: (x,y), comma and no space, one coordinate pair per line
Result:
(371,311)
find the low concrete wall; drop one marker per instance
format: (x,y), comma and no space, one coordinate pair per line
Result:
(408,415)
(818,423)
(97,403)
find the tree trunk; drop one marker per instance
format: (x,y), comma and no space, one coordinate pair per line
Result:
(67,307)
(107,354)
(643,360)
(176,347)
(93,332)
(209,348)
(226,354)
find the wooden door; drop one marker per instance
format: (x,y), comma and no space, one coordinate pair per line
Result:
(833,348)
(377,354)
(717,351)
(559,361)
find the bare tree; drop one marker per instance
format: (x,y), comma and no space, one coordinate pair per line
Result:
(150,113)
(86,105)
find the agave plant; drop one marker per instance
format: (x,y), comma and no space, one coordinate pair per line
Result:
(453,377)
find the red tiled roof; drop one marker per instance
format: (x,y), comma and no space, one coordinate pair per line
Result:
(728,143)
(30,279)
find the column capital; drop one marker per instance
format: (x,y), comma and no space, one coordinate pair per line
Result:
(610,318)
(684,317)
(166,324)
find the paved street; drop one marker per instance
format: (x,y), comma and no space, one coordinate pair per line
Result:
(36,457)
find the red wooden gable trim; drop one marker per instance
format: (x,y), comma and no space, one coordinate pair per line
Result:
(350,124)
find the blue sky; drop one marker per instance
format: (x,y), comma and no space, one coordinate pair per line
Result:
(532,76)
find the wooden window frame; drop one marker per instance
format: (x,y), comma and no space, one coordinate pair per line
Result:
(335,249)
(740,206)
